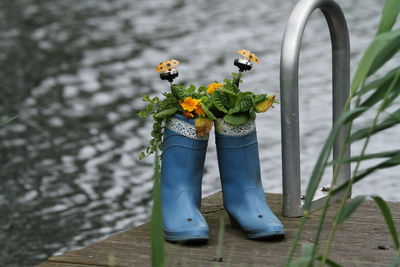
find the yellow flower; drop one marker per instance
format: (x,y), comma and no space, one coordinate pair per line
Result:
(189,104)
(187,114)
(212,87)
(203,126)
(199,110)
(266,104)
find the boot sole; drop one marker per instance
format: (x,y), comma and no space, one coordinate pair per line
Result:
(187,237)
(260,234)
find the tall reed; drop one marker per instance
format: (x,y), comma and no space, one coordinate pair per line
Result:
(156,230)
(367,93)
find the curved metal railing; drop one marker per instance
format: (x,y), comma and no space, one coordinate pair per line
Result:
(292,203)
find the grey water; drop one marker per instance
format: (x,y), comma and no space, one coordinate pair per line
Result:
(74,72)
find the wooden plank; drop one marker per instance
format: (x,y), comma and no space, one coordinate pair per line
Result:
(66,264)
(358,242)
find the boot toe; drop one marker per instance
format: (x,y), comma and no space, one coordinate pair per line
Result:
(185,228)
(265,226)
(268,232)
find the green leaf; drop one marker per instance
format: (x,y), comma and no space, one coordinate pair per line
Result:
(8,120)
(349,208)
(156,224)
(235,109)
(246,103)
(202,89)
(308,249)
(302,262)
(252,114)
(143,114)
(208,113)
(166,113)
(220,101)
(191,89)
(237,119)
(389,84)
(382,48)
(237,76)
(260,98)
(386,154)
(178,92)
(393,161)
(329,262)
(389,15)
(391,48)
(230,85)
(390,121)
(383,82)
(388,218)
(307,256)
(395,262)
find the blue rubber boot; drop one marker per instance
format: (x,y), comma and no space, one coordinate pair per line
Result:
(243,193)
(182,165)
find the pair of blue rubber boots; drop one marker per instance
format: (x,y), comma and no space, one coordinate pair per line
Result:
(183,159)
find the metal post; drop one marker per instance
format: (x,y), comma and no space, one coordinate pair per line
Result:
(292,206)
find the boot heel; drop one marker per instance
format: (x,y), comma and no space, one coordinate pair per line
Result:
(234,223)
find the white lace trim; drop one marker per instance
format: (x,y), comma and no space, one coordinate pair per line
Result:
(185,129)
(224,128)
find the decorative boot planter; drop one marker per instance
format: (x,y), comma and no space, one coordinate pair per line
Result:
(182,165)
(243,193)
(187,115)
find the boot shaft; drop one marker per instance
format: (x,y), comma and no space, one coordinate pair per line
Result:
(182,163)
(238,157)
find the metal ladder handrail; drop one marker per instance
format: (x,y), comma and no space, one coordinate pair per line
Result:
(292,203)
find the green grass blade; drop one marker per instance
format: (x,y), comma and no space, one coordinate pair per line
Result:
(388,218)
(156,229)
(395,262)
(325,153)
(393,161)
(386,154)
(390,82)
(390,121)
(329,262)
(380,50)
(389,16)
(308,249)
(381,83)
(220,242)
(390,48)
(349,208)
(8,120)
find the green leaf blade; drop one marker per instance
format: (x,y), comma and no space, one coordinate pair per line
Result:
(178,92)
(349,208)
(156,228)
(382,48)
(208,113)
(237,119)
(389,15)
(388,218)
(166,113)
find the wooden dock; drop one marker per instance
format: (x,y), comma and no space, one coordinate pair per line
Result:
(362,241)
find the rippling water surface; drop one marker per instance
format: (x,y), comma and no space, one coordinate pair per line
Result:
(74,72)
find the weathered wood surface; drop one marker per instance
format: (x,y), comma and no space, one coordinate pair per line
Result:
(362,241)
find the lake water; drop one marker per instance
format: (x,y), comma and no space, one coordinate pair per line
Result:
(75,71)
